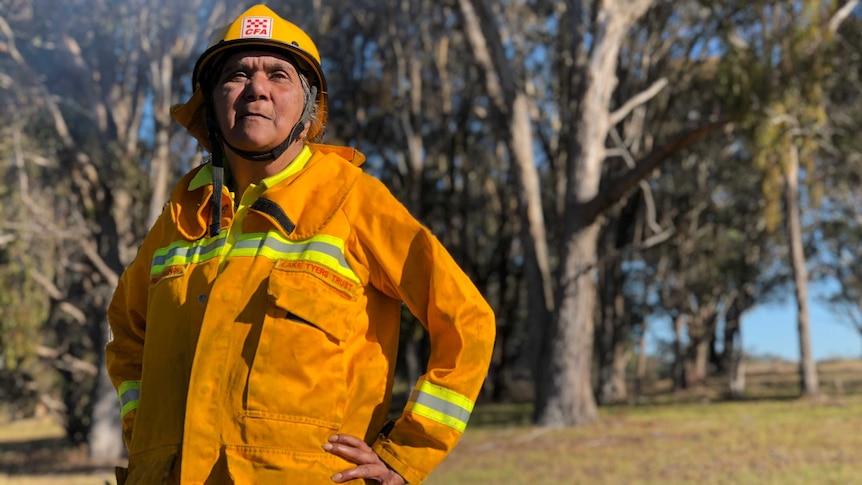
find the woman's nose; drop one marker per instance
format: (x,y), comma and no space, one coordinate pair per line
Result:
(256,88)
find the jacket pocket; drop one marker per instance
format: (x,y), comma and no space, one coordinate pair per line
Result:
(168,288)
(299,370)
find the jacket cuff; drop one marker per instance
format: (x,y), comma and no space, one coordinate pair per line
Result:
(383,447)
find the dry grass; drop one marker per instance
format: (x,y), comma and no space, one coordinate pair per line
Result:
(35,452)
(694,437)
(754,442)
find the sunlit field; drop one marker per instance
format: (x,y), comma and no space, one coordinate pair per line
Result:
(696,437)
(753,442)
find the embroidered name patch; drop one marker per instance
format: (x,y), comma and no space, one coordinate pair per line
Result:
(256,27)
(329,276)
(168,272)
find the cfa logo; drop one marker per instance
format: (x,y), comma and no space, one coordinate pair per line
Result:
(256,27)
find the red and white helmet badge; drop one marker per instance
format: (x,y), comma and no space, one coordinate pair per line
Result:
(256,27)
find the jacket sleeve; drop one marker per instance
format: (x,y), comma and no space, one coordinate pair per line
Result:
(410,264)
(127,317)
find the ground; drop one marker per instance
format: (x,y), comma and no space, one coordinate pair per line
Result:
(695,437)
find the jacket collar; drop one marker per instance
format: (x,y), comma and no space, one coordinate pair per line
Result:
(309,199)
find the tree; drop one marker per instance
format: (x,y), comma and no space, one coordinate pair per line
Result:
(839,218)
(99,71)
(794,44)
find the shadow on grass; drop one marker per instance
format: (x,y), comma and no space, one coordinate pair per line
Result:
(501,415)
(47,456)
(494,415)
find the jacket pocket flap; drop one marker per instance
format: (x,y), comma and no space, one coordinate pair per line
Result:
(307,300)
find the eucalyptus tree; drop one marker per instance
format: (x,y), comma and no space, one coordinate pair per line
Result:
(785,53)
(573,120)
(839,219)
(668,50)
(100,74)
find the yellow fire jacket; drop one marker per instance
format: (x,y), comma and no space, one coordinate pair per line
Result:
(236,356)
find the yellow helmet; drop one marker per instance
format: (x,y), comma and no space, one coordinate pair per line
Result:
(257,27)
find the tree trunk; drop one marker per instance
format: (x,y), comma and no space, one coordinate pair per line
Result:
(564,393)
(696,365)
(678,369)
(612,341)
(106,433)
(566,397)
(161,73)
(643,359)
(737,366)
(618,391)
(701,332)
(513,106)
(807,366)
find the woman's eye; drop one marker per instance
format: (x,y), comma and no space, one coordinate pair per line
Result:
(235,76)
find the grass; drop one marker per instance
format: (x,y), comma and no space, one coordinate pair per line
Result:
(667,438)
(754,442)
(35,452)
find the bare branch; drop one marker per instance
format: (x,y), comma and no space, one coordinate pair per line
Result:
(641,98)
(656,239)
(66,361)
(73,311)
(49,286)
(56,294)
(841,15)
(92,254)
(651,213)
(9,45)
(590,210)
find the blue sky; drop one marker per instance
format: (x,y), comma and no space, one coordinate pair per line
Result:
(771,329)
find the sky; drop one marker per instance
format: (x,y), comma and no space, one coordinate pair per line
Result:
(771,329)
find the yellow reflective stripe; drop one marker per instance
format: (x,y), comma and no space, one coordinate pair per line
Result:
(128,393)
(435,415)
(322,249)
(186,252)
(440,404)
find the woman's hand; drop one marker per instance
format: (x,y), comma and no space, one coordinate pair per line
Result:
(369,465)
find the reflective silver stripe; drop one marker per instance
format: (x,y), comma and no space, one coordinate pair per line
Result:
(293,248)
(437,404)
(322,249)
(129,396)
(442,405)
(183,252)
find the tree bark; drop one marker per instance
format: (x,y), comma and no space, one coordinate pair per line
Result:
(106,432)
(807,366)
(161,73)
(643,359)
(566,398)
(513,106)
(678,367)
(612,343)
(564,394)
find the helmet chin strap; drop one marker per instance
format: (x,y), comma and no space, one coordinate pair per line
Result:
(272,154)
(276,152)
